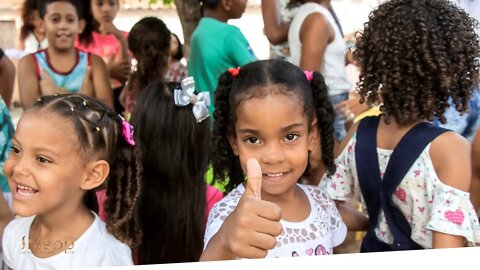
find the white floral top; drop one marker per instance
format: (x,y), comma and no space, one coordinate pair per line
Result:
(318,234)
(427,203)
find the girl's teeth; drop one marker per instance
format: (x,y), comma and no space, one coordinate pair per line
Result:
(26,191)
(274,174)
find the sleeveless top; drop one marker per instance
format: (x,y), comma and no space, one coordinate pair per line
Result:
(71,80)
(333,65)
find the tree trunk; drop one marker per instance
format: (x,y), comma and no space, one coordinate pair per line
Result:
(189,13)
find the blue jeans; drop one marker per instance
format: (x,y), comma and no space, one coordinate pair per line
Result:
(466,124)
(339,131)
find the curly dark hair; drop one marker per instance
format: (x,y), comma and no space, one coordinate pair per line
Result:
(99,131)
(149,41)
(414,55)
(258,79)
(173,202)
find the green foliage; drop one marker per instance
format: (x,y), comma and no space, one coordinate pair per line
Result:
(165,2)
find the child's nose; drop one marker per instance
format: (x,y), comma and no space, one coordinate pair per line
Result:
(20,168)
(106,7)
(273,153)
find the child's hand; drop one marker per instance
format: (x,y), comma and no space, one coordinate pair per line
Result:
(47,85)
(107,28)
(119,69)
(251,229)
(87,84)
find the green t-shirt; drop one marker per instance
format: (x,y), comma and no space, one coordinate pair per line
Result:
(215,47)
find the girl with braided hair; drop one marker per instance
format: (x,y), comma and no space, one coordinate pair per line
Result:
(412,177)
(267,118)
(65,147)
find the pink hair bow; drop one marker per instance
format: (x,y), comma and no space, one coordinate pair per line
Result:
(127,131)
(309,75)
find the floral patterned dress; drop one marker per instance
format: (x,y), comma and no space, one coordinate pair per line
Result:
(427,203)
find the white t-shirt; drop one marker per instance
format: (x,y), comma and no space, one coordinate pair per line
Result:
(32,45)
(95,248)
(318,234)
(333,64)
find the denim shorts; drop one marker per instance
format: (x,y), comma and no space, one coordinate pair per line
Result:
(339,131)
(466,124)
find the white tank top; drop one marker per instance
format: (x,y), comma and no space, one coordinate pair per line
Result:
(333,65)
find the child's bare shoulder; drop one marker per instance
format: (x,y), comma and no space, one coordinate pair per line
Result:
(450,154)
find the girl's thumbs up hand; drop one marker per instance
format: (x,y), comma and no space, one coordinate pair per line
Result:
(250,231)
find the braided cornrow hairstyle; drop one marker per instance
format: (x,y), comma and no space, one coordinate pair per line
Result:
(224,162)
(99,131)
(259,79)
(414,55)
(325,118)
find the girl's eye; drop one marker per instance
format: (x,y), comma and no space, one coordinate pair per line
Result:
(15,150)
(43,160)
(252,140)
(291,137)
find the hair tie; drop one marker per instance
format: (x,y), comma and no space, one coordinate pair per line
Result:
(308,75)
(186,95)
(234,71)
(127,131)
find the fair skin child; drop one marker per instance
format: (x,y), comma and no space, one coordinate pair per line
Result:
(226,10)
(453,169)
(104,12)
(62,27)
(49,176)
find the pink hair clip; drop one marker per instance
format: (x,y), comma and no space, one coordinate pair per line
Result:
(309,75)
(127,131)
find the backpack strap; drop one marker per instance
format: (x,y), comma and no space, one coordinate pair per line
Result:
(378,192)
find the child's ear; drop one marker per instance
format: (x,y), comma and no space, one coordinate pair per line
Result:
(313,134)
(226,4)
(97,173)
(233,143)
(81,25)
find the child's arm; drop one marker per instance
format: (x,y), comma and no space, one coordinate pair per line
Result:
(28,83)
(475,185)
(250,230)
(453,169)
(355,220)
(275,30)
(101,83)
(5,214)
(7,77)
(315,35)
(118,67)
